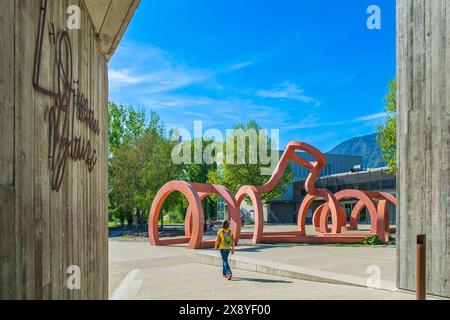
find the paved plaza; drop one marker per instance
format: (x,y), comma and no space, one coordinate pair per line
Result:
(139,271)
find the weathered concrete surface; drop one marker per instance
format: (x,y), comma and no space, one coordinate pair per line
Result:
(43,232)
(423,133)
(139,271)
(110,19)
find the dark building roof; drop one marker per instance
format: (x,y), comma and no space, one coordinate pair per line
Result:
(378,179)
(335,164)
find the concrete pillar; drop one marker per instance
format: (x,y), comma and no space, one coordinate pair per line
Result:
(423,124)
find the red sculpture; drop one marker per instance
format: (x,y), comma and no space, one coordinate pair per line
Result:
(196,192)
(315,167)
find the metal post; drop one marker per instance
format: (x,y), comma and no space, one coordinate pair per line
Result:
(421,268)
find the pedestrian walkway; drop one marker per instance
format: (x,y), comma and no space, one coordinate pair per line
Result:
(354,265)
(138,271)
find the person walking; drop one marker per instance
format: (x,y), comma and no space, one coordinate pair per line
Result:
(225,242)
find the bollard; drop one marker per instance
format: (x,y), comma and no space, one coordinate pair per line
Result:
(421,268)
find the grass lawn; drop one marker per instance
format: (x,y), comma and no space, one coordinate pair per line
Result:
(113,224)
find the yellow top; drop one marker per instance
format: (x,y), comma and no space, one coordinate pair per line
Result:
(226,238)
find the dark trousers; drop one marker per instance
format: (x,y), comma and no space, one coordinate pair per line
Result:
(226,270)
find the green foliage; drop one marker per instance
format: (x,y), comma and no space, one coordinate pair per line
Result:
(387,132)
(113,224)
(140,162)
(236,175)
(174,216)
(124,124)
(200,173)
(392,240)
(372,240)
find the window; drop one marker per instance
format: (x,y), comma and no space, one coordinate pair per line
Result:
(374,185)
(388,184)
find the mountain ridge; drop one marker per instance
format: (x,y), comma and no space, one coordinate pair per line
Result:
(365,146)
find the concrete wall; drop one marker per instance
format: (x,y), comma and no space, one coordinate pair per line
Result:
(44,231)
(423,62)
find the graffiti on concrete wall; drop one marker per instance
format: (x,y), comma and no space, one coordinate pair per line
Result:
(70,105)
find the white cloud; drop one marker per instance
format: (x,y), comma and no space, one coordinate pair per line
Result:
(372,116)
(287,91)
(215,112)
(173,101)
(164,80)
(238,66)
(313,121)
(123,77)
(150,69)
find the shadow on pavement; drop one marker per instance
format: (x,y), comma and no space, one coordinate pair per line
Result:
(260,280)
(261,247)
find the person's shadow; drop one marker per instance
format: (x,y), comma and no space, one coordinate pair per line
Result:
(259,280)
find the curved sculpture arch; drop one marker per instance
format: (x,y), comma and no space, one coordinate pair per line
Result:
(363,198)
(258,216)
(382,214)
(194,222)
(194,201)
(315,166)
(196,192)
(227,196)
(316,218)
(318,221)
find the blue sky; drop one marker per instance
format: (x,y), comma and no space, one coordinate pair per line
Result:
(311,69)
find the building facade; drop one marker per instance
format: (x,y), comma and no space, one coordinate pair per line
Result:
(53,142)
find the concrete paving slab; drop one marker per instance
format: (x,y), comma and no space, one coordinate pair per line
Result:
(294,271)
(203,282)
(356,261)
(173,273)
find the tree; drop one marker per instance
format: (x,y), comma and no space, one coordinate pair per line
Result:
(235,175)
(158,168)
(124,126)
(200,172)
(143,158)
(140,166)
(124,123)
(387,132)
(123,181)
